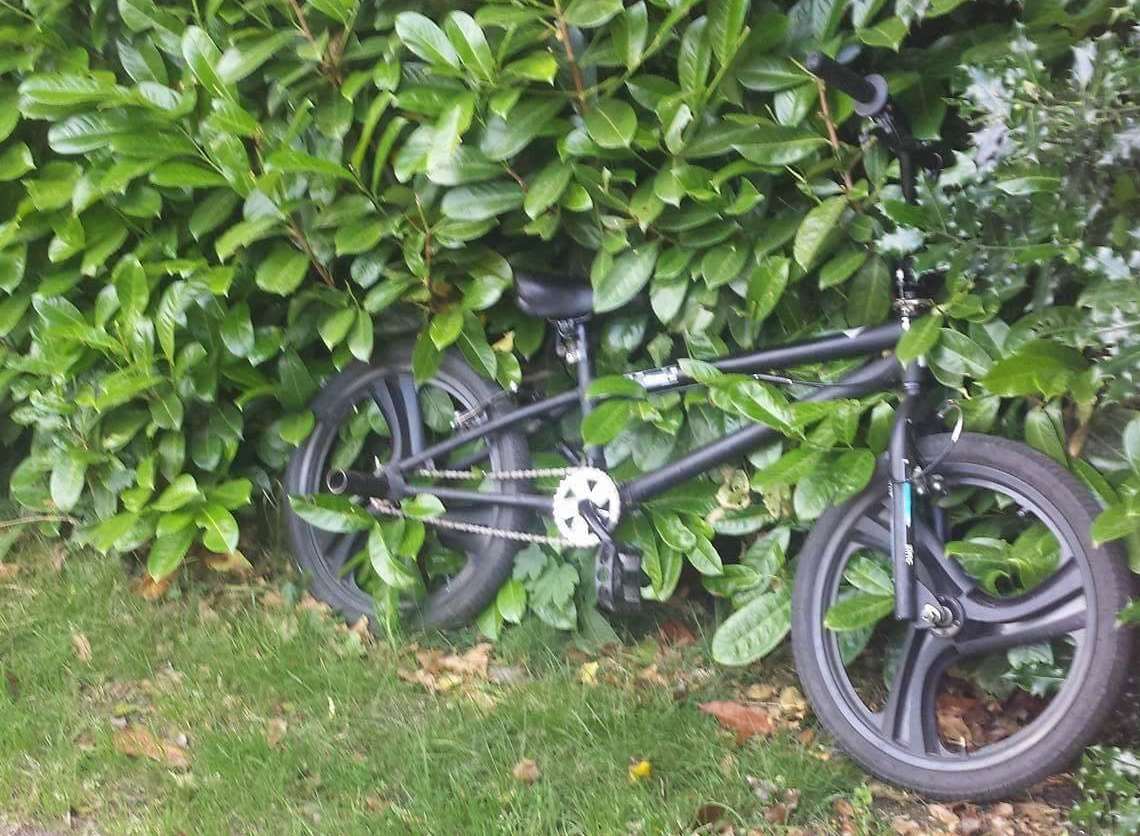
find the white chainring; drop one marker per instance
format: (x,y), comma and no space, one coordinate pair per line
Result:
(585,483)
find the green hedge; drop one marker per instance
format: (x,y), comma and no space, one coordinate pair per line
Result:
(209,207)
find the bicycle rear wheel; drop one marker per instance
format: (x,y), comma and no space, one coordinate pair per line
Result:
(1036,661)
(355,412)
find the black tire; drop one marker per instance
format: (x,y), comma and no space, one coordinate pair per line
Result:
(489,559)
(1051,741)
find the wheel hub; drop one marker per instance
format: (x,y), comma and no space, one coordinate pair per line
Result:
(586,484)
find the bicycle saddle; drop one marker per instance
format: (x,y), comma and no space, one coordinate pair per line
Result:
(553,296)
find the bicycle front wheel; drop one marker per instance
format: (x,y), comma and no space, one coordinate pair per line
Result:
(1017,686)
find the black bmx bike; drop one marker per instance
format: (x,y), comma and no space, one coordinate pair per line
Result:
(953,529)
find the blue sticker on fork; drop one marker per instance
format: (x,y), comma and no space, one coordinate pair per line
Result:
(906,503)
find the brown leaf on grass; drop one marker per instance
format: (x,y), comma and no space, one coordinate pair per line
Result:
(526,771)
(149,589)
(308,602)
(81,646)
(234,563)
(275,731)
(361,630)
(904,826)
(760,692)
(138,742)
(675,633)
(793,706)
(441,672)
(473,663)
(8,571)
(845,811)
(745,720)
(943,815)
(652,676)
(708,814)
(781,812)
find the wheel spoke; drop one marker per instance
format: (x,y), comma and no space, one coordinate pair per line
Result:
(940,574)
(909,716)
(1022,622)
(872,532)
(386,396)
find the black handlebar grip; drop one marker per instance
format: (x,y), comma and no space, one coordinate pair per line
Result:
(837,75)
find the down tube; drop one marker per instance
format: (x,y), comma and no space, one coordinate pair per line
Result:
(874,377)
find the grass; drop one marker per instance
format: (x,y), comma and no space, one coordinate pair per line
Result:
(362,750)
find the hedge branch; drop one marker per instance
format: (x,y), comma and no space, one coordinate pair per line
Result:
(832,133)
(575,70)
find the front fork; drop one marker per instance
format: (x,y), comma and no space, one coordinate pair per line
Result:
(901,493)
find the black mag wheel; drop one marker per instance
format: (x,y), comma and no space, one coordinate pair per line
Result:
(362,424)
(1016,687)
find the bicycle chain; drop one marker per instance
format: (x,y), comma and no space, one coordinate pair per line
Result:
(386,507)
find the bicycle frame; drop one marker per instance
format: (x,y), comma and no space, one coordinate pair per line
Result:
(883,373)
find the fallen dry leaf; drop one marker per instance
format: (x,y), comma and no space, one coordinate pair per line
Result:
(274,731)
(845,811)
(652,676)
(526,771)
(676,634)
(639,770)
(234,563)
(905,826)
(81,646)
(745,720)
(8,571)
(588,673)
(760,693)
(440,672)
(311,604)
(793,706)
(943,815)
(149,589)
(781,812)
(138,742)
(361,630)
(708,814)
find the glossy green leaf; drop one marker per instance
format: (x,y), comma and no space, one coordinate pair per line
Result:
(858,610)
(423,37)
(816,229)
(625,278)
(589,14)
(919,338)
(168,551)
(611,123)
(754,630)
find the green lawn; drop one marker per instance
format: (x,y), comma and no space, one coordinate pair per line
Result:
(291,724)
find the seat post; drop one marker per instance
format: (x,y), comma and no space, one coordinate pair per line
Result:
(575,339)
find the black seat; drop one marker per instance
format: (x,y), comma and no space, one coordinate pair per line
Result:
(553,296)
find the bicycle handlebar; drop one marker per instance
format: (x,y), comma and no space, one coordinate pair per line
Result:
(869,92)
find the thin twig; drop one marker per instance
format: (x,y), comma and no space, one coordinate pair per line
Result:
(39,518)
(575,70)
(515,176)
(330,58)
(299,238)
(302,22)
(832,134)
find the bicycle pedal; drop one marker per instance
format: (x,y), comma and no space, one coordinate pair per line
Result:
(618,579)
